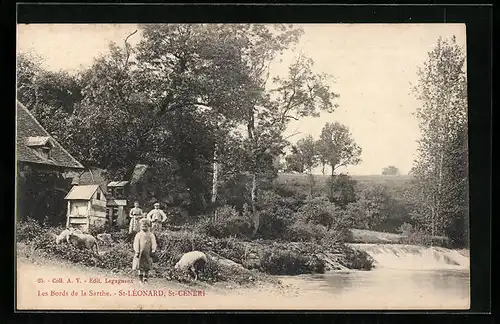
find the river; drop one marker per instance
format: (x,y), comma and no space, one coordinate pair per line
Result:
(404,277)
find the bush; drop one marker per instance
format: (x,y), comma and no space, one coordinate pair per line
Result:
(175,244)
(334,237)
(356,259)
(341,190)
(28,230)
(304,232)
(285,262)
(120,256)
(98,229)
(229,223)
(120,235)
(229,248)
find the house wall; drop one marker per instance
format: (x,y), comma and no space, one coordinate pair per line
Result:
(97,209)
(78,207)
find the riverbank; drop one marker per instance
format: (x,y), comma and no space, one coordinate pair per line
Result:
(231,261)
(345,290)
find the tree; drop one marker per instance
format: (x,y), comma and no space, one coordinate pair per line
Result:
(390,170)
(50,96)
(295,161)
(268,111)
(306,147)
(442,91)
(307,151)
(337,147)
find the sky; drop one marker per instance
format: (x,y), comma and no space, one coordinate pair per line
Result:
(373,67)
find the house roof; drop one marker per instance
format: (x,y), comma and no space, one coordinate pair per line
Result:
(38,141)
(117,183)
(93,176)
(81,192)
(30,134)
(138,172)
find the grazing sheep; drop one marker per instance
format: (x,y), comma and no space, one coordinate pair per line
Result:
(81,240)
(193,262)
(64,236)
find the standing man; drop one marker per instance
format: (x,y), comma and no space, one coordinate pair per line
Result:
(157,218)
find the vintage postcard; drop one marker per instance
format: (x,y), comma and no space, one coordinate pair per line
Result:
(242,166)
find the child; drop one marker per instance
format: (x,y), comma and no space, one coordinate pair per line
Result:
(144,247)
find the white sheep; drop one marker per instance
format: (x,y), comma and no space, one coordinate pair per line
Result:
(64,236)
(192,262)
(81,240)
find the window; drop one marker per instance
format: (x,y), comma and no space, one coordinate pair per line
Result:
(119,192)
(98,195)
(114,217)
(46,152)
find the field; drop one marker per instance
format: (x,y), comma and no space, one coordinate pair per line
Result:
(393,183)
(302,179)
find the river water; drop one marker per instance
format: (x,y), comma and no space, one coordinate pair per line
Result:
(405,277)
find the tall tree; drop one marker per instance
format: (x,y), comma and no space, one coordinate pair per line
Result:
(442,92)
(301,93)
(196,69)
(337,146)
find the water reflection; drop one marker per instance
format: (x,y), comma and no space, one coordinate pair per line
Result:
(388,289)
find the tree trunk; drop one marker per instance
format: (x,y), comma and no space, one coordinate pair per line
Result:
(311,182)
(215,181)
(323,169)
(251,137)
(256,218)
(438,193)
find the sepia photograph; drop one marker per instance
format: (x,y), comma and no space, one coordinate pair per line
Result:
(242,167)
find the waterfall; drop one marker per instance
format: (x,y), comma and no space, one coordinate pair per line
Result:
(400,256)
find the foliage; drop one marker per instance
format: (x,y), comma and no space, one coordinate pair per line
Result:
(228,223)
(28,230)
(276,213)
(337,147)
(305,232)
(440,188)
(341,190)
(372,208)
(286,262)
(356,259)
(390,170)
(317,211)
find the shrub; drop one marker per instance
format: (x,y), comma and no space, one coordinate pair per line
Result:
(285,262)
(276,214)
(341,189)
(120,235)
(98,229)
(229,223)
(175,244)
(28,230)
(118,257)
(304,232)
(334,237)
(229,248)
(356,259)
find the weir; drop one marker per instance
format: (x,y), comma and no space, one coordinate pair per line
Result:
(414,257)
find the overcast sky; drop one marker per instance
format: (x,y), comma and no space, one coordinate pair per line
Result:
(373,66)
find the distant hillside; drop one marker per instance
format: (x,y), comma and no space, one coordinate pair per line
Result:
(300,178)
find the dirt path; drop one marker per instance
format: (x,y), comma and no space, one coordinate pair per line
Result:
(61,279)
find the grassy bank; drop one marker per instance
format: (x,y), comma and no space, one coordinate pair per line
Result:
(230,260)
